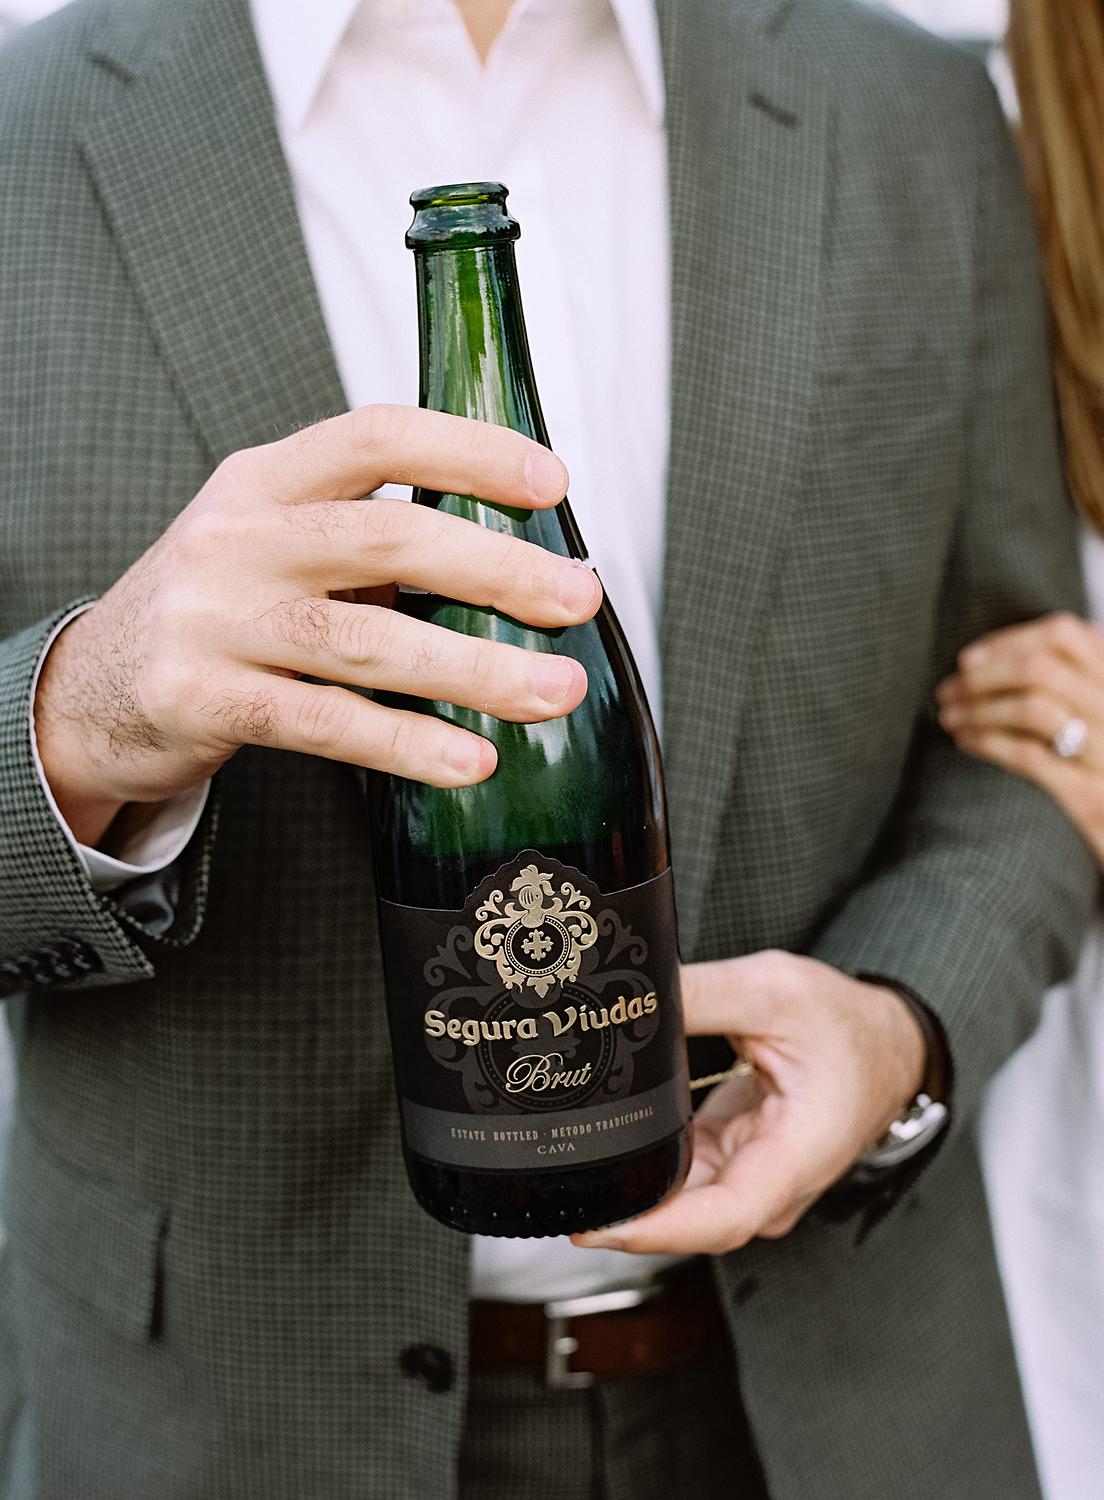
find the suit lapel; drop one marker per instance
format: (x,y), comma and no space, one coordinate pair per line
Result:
(190,173)
(748,141)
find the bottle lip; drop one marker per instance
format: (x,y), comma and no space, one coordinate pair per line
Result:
(459,193)
(459,215)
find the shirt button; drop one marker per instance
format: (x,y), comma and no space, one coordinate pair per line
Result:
(429,1364)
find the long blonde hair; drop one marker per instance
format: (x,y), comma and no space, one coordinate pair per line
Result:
(1057,51)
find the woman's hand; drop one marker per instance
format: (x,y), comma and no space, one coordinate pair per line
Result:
(837,1060)
(1018,692)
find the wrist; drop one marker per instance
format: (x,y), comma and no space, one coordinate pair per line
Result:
(921,1113)
(64,744)
(905,1054)
(936,1078)
(87,811)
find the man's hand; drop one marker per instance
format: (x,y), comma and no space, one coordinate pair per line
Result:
(198,648)
(837,1060)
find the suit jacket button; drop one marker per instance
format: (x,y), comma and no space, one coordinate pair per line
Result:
(75,958)
(37,970)
(58,964)
(429,1364)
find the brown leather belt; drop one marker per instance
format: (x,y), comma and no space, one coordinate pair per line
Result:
(608,1336)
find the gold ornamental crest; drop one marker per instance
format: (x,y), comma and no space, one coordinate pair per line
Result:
(537,939)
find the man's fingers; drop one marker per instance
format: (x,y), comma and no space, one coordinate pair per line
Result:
(730,1115)
(349,456)
(739,996)
(756,1187)
(332,722)
(378,648)
(342,547)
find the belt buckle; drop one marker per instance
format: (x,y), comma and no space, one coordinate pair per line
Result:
(560,1345)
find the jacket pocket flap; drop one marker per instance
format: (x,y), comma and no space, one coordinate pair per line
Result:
(82,1235)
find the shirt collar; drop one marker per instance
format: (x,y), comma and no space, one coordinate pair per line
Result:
(298,43)
(640,33)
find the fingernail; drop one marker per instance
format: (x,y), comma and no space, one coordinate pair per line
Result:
(546,475)
(973,656)
(951,718)
(579,588)
(464,755)
(552,678)
(598,1241)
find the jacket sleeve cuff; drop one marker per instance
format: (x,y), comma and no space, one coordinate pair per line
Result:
(47,901)
(157,834)
(920,933)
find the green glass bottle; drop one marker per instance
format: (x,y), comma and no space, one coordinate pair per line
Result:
(527,923)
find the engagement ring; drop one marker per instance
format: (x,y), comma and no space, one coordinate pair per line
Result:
(1070,739)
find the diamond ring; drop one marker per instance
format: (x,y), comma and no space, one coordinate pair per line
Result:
(1070,739)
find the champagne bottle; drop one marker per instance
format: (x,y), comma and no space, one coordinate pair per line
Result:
(527,924)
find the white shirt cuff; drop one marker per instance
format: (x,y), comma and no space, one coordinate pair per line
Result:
(157,834)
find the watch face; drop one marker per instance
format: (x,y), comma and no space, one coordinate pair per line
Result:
(908,1136)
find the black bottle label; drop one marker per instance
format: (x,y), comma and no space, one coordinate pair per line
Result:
(541,1026)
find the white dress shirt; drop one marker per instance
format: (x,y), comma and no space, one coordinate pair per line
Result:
(375,98)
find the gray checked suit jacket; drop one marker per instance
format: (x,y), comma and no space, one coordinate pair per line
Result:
(214,1263)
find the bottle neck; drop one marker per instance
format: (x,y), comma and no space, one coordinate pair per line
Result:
(475,362)
(471,333)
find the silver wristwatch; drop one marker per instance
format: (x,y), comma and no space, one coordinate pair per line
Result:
(907,1136)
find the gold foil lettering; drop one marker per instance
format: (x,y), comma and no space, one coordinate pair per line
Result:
(534,1074)
(624,1011)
